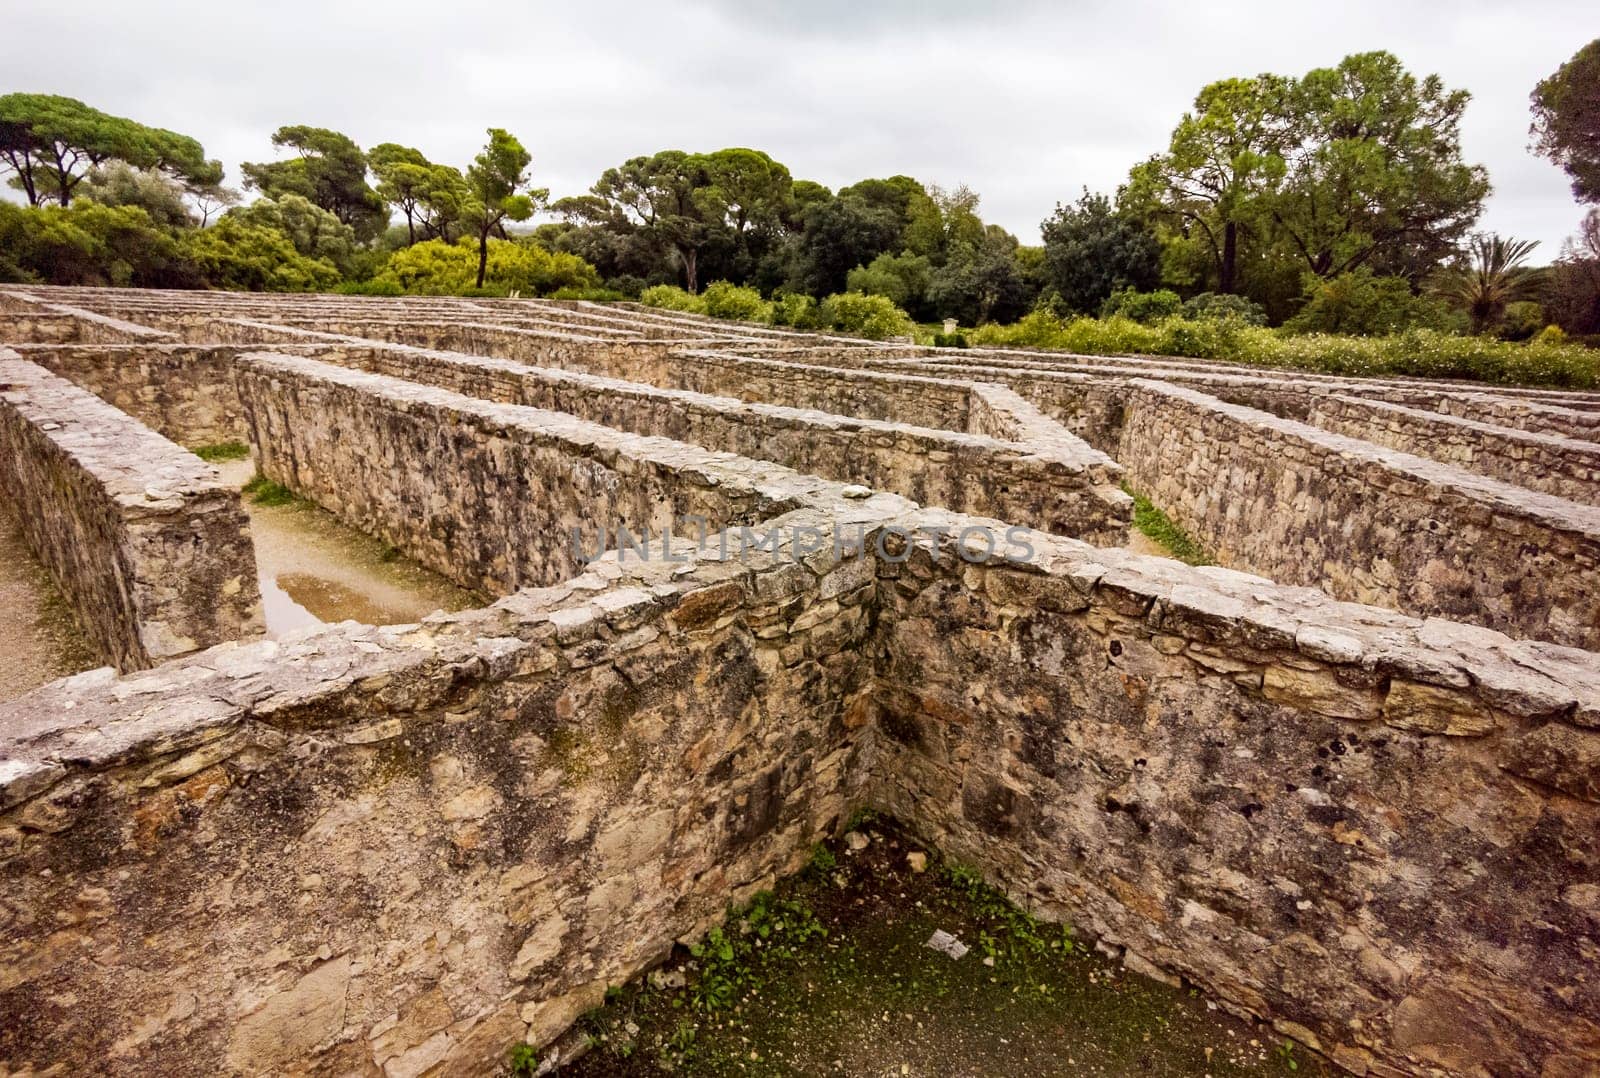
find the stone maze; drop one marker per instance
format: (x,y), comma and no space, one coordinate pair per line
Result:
(742,583)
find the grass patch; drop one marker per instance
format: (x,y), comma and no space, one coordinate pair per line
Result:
(1164,530)
(264,492)
(221,451)
(831,973)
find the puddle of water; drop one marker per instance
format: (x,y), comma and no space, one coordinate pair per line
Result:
(315,570)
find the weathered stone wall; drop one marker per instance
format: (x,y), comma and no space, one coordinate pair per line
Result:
(401,851)
(412,847)
(1383,834)
(1052,480)
(1041,476)
(1534,416)
(183,391)
(57,328)
(1305,506)
(893,398)
(1565,467)
(149,547)
(487,494)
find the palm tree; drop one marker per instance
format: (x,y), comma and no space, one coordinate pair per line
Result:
(1492,277)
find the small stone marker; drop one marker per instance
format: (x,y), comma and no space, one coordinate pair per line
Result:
(945,943)
(917,860)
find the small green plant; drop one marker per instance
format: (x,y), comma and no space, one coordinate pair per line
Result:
(822,860)
(1286,1056)
(1164,530)
(524,1060)
(734,957)
(1011,932)
(265,492)
(950,340)
(221,451)
(682,1039)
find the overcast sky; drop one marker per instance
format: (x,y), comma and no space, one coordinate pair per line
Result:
(1025,103)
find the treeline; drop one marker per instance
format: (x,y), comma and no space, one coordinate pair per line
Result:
(1337,201)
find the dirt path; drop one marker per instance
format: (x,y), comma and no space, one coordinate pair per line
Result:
(38,640)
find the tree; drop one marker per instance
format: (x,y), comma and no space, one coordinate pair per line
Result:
(749,188)
(50,143)
(1374,170)
(1350,166)
(1091,251)
(902,279)
(1223,161)
(404,175)
(1566,120)
(981,280)
(837,236)
(666,198)
(118,183)
(1493,277)
(330,170)
(314,232)
(495,180)
(1572,296)
(429,196)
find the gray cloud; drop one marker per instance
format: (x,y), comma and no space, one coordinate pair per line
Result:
(1024,102)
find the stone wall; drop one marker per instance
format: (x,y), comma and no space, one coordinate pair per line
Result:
(1565,467)
(486,494)
(1382,834)
(1041,475)
(148,546)
(184,391)
(893,398)
(385,850)
(1534,416)
(401,851)
(1364,523)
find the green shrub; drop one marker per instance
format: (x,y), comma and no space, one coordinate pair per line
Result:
(669,297)
(1522,321)
(950,340)
(1364,304)
(1142,307)
(872,317)
(436,268)
(595,295)
(377,286)
(1424,353)
(797,310)
(1220,306)
(629,285)
(722,299)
